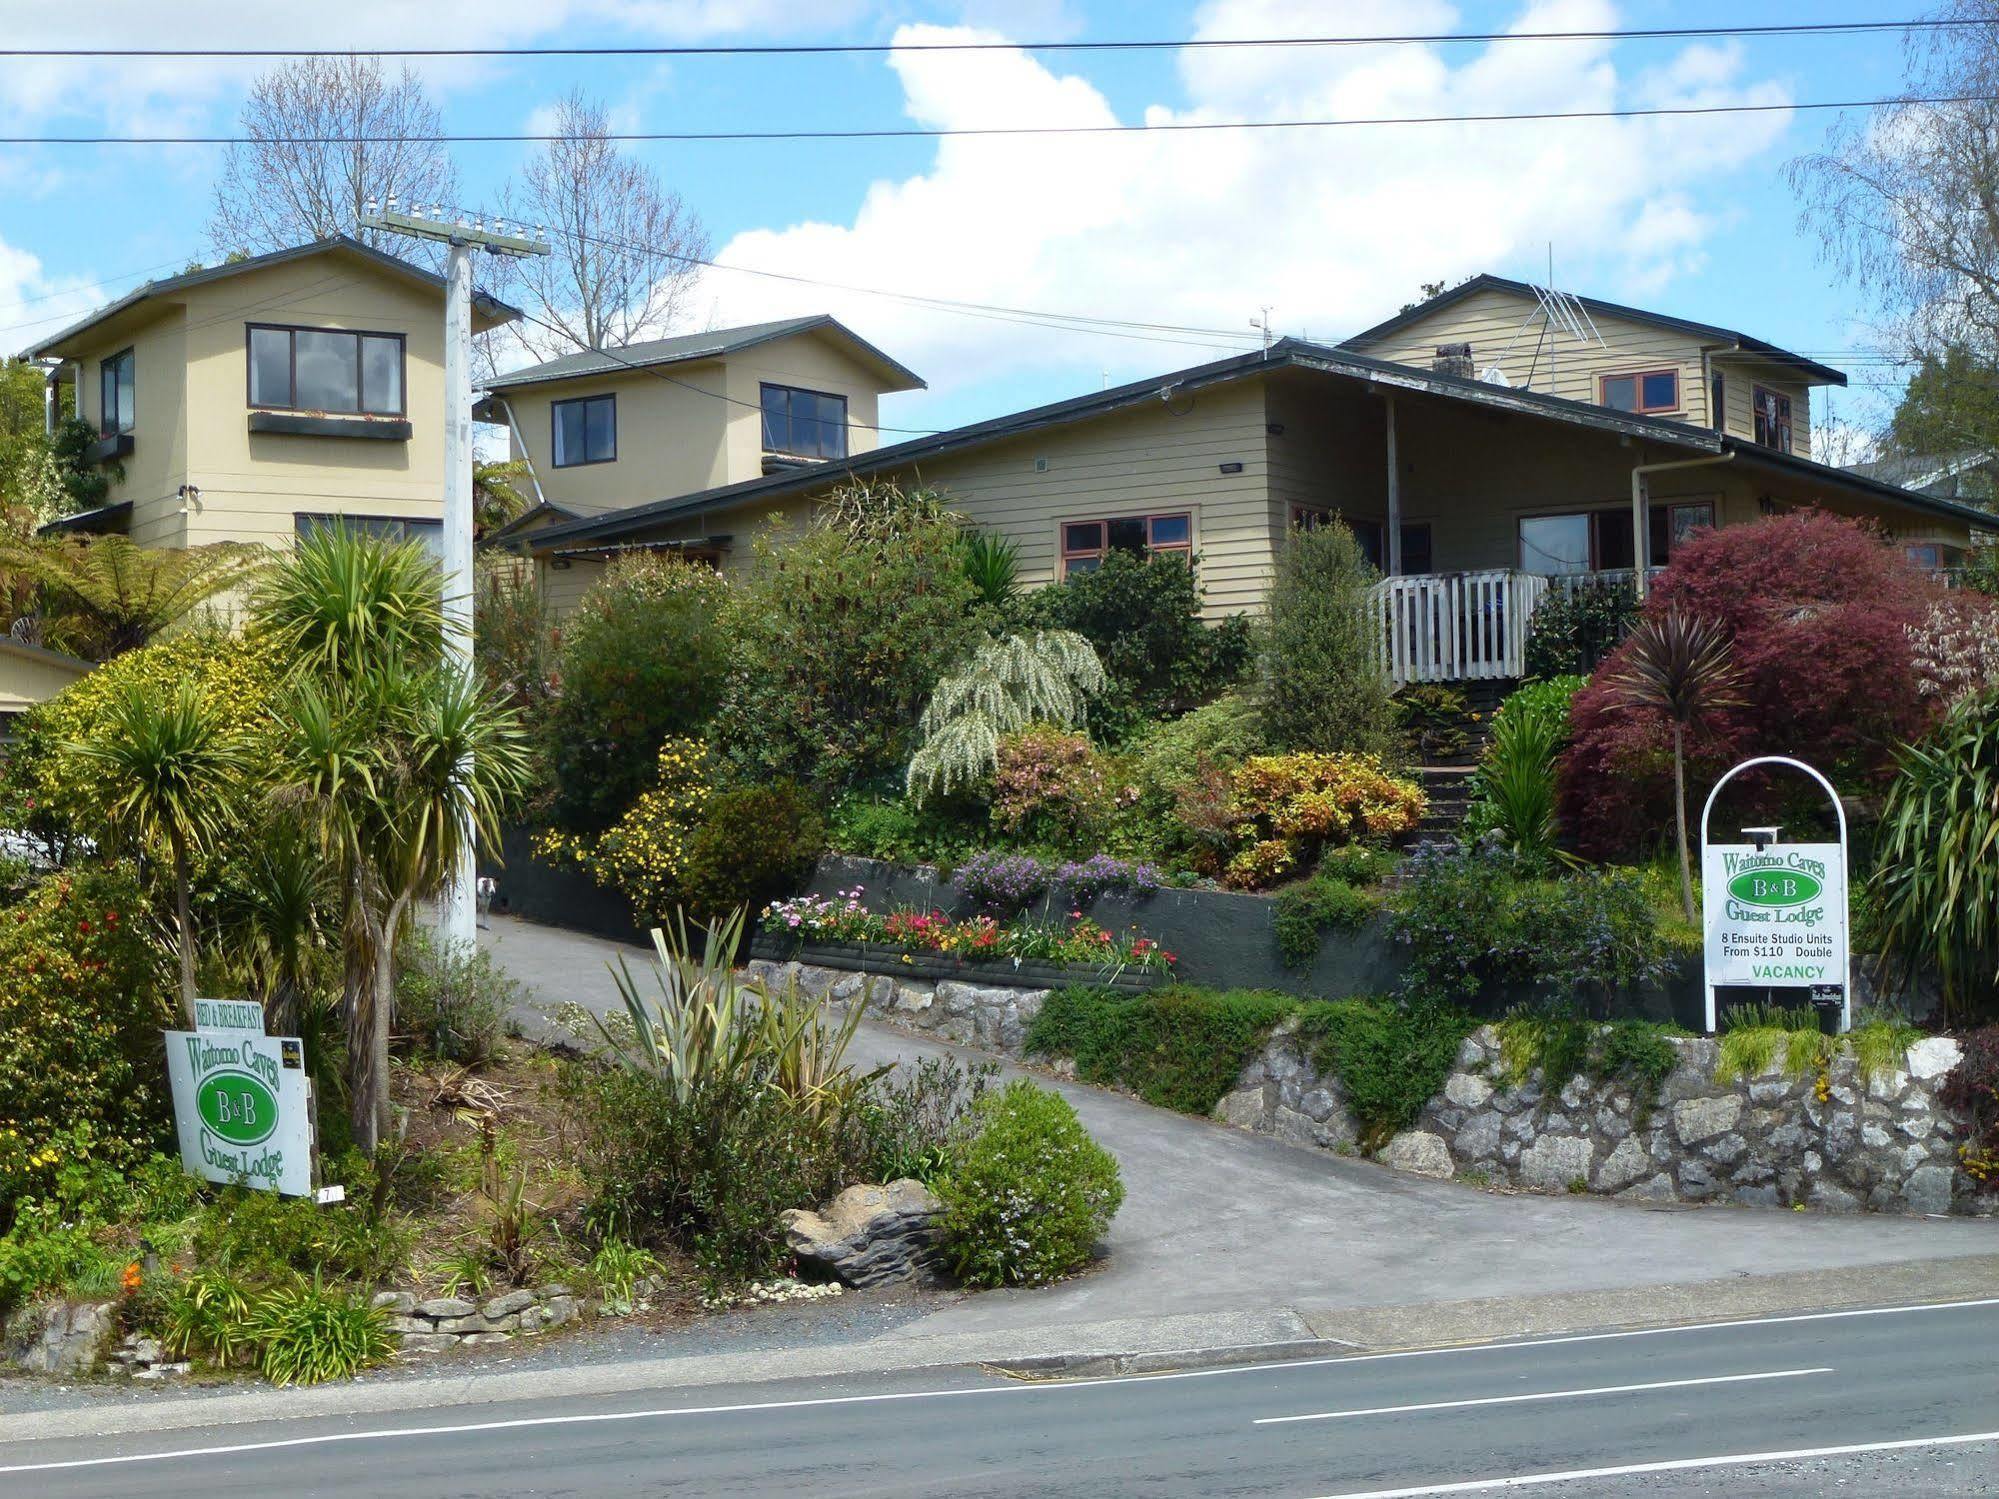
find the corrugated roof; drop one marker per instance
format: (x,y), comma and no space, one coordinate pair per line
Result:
(687,347)
(493,307)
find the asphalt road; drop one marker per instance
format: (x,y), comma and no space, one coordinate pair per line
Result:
(1902,1401)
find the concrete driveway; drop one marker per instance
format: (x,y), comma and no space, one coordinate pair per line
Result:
(1216,1220)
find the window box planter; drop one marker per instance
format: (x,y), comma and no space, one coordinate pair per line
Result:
(296,424)
(110,449)
(1027,973)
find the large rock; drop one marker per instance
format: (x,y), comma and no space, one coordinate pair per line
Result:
(59,1337)
(1554,1162)
(870,1236)
(1420,1152)
(1699,1119)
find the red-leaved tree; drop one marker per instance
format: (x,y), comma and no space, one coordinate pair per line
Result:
(1817,610)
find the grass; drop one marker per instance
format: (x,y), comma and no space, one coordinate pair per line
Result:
(1180,1047)
(1560,1043)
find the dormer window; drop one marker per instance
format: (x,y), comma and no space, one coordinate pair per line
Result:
(804,423)
(1642,393)
(1773,419)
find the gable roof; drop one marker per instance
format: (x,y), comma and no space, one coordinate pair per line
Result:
(713,344)
(1287,353)
(1819,374)
(490,307)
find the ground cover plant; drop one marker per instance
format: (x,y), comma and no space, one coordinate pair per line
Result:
(1342,896)
(1558,1043)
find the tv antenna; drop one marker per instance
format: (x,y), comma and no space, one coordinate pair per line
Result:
(1556,315)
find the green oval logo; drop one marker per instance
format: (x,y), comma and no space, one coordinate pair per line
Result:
(238,1107)
(1775,887)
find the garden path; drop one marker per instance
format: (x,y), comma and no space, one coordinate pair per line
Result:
(1218,1220)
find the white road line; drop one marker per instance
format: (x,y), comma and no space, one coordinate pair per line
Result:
(1675,1465)
(1608,1389)
(1050,1387)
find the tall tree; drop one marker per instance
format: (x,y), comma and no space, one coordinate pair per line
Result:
(1905,199)
(624,244)
(325,135)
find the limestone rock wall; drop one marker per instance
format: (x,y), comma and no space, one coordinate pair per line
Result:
(1883,1143)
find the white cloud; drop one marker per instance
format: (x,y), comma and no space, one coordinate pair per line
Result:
(1335,227)
(35,304)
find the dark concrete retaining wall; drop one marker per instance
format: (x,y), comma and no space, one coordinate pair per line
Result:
(894,962)
(531,887)
(1228,940)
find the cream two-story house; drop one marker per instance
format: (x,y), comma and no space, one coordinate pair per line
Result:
(603,430)
(1475,487)
(252,400)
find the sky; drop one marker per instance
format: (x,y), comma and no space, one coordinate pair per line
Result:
(1192,233)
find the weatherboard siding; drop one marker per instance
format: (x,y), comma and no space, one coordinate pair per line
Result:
(1159,457)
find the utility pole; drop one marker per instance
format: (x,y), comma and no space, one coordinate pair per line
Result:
(458,913)
(1263,325)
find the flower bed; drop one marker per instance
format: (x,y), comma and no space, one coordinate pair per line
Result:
(943,945)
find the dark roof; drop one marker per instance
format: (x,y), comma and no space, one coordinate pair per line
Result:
(1288,353)
(92,522)
(12,647)
(1921,470)
(1821,374)
(491,306)
(1847,478)
(692,346)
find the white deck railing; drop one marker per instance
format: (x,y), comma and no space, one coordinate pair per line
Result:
(1456,627)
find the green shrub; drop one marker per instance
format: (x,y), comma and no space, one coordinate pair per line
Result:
(1473,924)
(1143,615)
(940,831)
(1435,722)
(1179,1047)
(1050,789)
(513,636)
(41,1253)
(1221,734)
(1007,686)
(1573,629)
(841,636)
(453,1001)
(1357,864)
(1303,913)
(1391,1058)
(754,844)
(1029,1192)
(1320,680)
(261,1237)
(308,1333)
(1514,790)
(644,656)
(1935,884)
(83,997)
(904,1124)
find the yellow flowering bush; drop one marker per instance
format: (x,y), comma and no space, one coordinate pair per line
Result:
(82,1068)
(237,678)
(1281,810)
(643,855)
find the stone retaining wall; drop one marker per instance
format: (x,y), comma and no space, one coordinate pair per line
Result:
(439,1322)
(1883,1143)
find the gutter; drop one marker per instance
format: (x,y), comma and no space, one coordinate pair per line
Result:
(1641,522)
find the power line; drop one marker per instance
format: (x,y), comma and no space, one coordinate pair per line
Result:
(716,395)
(834,49)
(919,132)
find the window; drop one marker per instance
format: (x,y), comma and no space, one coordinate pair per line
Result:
(586,430)
(1934,556)
(1416,554)
(1600,540)
(804,423)
(324,369)
(1085,542)
(390,528)
(115,394)
(1649,390)
(1717,402)
(1773,419)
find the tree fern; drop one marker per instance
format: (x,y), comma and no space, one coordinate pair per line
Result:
(1046,677)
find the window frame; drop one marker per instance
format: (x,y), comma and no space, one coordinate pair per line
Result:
(1661,519)
(1066,554)
(371,525)
(1717,400)
(361,411)
(129,420)
(765,387)
(1782,416)
(1638,379)
(555,460)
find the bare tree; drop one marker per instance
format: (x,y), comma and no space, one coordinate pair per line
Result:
(1906,200)
(326,134)
(625,246)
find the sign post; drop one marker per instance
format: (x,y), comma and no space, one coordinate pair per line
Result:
(1775,914)
(242,1101)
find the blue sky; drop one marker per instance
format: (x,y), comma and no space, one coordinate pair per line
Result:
(1333,228)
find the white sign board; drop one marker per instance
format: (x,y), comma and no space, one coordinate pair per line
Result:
(1776,918)
(243,1108)
(229,1015)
